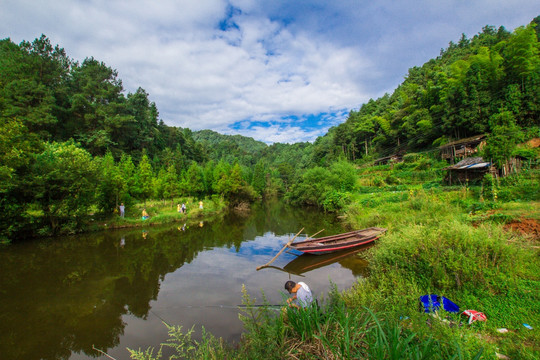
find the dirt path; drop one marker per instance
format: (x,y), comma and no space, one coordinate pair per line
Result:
(529,227)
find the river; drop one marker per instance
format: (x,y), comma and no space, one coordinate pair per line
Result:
(61,297)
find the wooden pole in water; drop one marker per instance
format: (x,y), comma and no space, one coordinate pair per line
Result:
(317,233)
(279,253)
(103,352)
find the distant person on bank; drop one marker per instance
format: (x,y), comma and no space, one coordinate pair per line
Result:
(302,297)
(122,209)
(144,214)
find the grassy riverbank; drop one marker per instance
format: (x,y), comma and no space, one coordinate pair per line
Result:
(160,212)
(473,245)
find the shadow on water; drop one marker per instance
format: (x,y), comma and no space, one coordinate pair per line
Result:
(111,290)
(346,258)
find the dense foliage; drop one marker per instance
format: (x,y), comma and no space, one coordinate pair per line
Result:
(72,144)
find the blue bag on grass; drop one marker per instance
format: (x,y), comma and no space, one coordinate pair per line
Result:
(434,302)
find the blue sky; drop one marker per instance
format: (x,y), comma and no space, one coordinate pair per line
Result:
(275,70)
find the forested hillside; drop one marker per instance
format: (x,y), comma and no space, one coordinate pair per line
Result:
(487,84)
(72,143)
(230,147)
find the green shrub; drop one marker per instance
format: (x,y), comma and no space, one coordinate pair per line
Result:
(526,153)
(392,180)
(378,181)
(335,200)
(423,164)
(523,186)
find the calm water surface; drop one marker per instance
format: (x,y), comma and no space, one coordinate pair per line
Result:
(112,290)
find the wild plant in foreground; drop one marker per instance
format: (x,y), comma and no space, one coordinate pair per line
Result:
(184,347)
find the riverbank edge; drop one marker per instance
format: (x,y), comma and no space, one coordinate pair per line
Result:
(159,214)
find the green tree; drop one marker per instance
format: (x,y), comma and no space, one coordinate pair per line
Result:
(208,174)
(522,52)
(18,148)
(233,187)
(193,183)
(33,80)
(144,179)
(259,177)
(286,174)
(311,189)
(65,179)
(142,133)
(171,184)
(504,137)
(344,176)
(98,112)
(127,172)
(158,185)
(111,186)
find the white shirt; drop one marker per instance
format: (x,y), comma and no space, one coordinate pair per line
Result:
(303,295)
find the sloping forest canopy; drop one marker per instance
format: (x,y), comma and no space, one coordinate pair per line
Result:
(72,143)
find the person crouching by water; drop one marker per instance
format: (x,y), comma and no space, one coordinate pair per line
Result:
(302,297)
(144,214)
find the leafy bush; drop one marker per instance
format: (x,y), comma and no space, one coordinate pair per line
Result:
(431,185)
(423,164)
(477,206)
(392,180)
(335,200)
(525,153)
(343,176)
(523,186)
(378,181)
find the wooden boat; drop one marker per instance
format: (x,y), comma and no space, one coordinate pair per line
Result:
(329,244)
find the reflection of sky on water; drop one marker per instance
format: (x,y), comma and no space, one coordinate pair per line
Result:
(205,291)
(267,245)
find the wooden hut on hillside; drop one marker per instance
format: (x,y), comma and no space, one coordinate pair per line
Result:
(389,159)
(468,170)
(461,149)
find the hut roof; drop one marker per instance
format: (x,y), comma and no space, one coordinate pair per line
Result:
(388,158)
(469,163)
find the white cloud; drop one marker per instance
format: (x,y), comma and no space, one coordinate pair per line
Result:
(275,59)
(281,134)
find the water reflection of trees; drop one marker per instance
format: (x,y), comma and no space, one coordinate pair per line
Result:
(65,295)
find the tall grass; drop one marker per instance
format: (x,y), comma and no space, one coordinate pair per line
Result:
(330,331)
(433,247)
